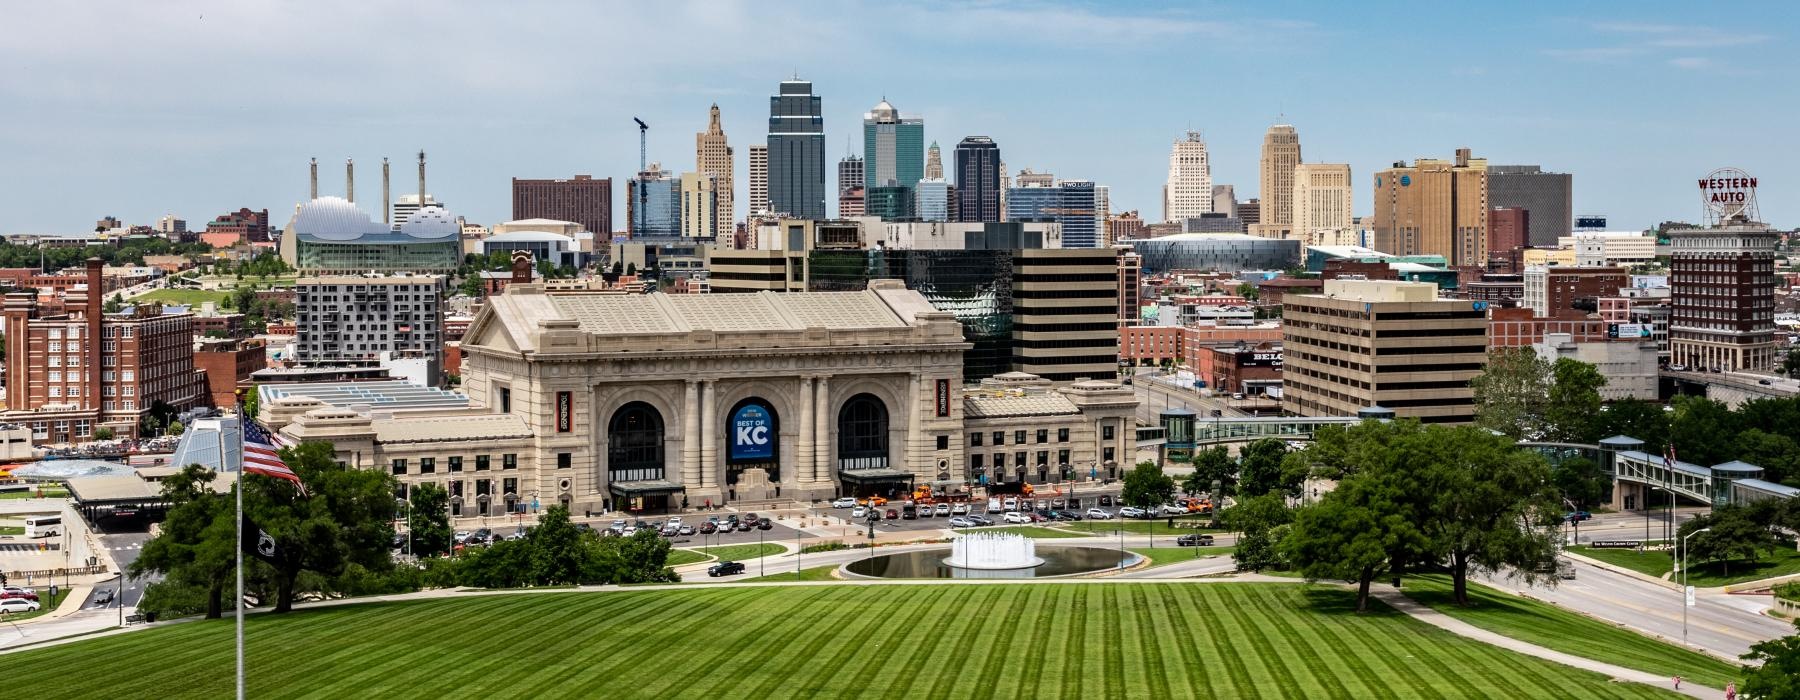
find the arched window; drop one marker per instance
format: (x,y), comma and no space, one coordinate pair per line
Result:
(634,444)
(863,433)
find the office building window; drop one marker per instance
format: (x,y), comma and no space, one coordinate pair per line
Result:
(1106,432)
(1043,435)
(509,461)
(943,442)
(974,439)
(1062,434)
(565,460)
(427,465)
(999,438)
(481,463)
(456,463)
(399,466)
(505,400)
(1018,437)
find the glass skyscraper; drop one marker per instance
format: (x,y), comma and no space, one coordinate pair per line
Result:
(797,151)
(654,201)
(1069,202)
(893,148)
(977,180)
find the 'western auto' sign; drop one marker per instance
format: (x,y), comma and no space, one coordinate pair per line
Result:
(1728,192)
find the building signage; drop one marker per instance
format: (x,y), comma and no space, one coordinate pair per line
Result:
(565,411)
(1260,359)
(1627,330)
(1728,193)
(943,398)
(752,434)
(1615,544)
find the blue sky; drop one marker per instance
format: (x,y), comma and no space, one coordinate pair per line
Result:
(142,109)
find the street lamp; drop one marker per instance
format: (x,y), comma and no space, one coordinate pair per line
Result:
(1684,586)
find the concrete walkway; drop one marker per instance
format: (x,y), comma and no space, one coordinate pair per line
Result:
(1418,611)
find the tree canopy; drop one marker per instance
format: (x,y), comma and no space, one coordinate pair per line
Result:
(1511,393)
(1146,486)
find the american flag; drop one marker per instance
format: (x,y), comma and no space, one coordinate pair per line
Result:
(260,455)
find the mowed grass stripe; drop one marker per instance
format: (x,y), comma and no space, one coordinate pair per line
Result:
(1314,668)
(1042,640)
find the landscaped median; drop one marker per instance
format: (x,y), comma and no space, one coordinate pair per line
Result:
(1784,561)
(1551,627)
(1098,640)
(729,552)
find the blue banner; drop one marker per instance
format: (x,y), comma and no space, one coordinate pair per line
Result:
(752,434)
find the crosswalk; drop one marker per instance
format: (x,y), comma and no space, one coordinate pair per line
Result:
(19,547)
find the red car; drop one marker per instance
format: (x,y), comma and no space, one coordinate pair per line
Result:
(893,514)
(18,593)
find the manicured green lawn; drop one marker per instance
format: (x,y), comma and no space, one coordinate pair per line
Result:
(728,552)
(48,492)
(194,297)
(1782,562)
(817,573)
(12,529)
(1158,526)
(1032,531)
(1549,626)
(1164,556)
(1046,640)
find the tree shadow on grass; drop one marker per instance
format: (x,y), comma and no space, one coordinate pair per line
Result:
(1333,600)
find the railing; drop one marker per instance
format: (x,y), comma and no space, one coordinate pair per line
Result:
(1245,429)
(15,577)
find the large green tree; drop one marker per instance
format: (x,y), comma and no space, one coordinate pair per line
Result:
(1580,480)
(429,520)
(345,517)
(1512,392)
(1703,430)
(1571,413)
(1259,468)
(1774,670)
(1211,465)
(1258,520)
(1731,534)
(1364,528)
(196,549)
(1487,505)
(1146,486)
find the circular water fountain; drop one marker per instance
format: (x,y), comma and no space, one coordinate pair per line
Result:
(992,555)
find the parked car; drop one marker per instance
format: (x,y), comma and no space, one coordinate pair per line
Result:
(1106,500)
(1069,515)
(942,510)
(748,523)
(765,524)
(24,593)
(103,597)
(908,511)
(685,531)
(731,523)
(725,568)
(893,514)
(461,536)
(1678,368)
(1098,514)
(1014,517)
(484,533)
(1010,504)
(961,521)
(617,526)
(845,502)
(708,527)
(980,519)
(959,509)
(18,605)
(994,505)
(1194,541)
(1170,509)
(1765,381)
(1578,516)
(925,510)
(1131,512)
(671,530)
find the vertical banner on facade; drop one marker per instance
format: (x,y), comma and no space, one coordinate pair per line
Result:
(752,434)
(565,411)
(943,398)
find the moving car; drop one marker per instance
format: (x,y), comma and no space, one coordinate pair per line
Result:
(1068,515)
(18,605)
(845,502)
(1194,541)
(725,568)
(859,512)
(1098,514)
(103,597)
(893,514)
(765,524)
(1577,516)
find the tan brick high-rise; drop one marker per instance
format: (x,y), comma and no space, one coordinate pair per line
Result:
(1280,153)
(713,156)
(1434,207)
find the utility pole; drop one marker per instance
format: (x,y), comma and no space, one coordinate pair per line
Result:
(643,197)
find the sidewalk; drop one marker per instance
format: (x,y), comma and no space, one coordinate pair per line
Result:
(1398,601)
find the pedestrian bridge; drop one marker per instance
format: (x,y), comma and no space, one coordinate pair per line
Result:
(1219,431)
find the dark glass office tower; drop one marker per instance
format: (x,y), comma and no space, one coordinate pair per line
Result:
(797,151)
(976,285)
(977,179)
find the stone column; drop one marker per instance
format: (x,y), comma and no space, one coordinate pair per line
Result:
(709,435)
(822,467)
(915,448)
(690,436)
(803,440)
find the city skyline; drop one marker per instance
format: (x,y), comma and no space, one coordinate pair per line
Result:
(130,125)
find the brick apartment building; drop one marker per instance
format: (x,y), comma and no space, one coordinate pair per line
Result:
(228,363)
(64,385)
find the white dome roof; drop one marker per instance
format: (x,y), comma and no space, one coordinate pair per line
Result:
(431,221)
(333,219)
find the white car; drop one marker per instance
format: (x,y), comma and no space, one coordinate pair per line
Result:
(1012,503)
(1098,514)
(994,505)
(959,509)
(1015,518)
(18,605)
(859,513)
(845,502)
(1131,512)
(942,510)
(1173,510)
(617,526)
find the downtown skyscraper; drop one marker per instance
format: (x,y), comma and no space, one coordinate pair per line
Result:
(713,156)
(1280,153)
(797,151)
(979,173)
(1189,190)
(893,148)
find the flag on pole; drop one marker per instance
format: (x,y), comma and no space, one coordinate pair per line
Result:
(258,543)
(260,456)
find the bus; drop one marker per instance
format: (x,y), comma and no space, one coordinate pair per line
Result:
(43,526)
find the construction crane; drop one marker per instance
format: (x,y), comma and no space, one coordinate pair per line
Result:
(643,133)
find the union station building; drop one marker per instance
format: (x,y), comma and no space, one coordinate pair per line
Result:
(657,402)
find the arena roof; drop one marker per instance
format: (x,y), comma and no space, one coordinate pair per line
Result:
(379,396)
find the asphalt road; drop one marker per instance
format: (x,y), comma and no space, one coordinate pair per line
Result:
(1629,526)
(1723,624)
(1156,394)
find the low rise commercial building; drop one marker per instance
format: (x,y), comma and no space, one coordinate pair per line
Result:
(1629,366)
(1394,344)
(360,321)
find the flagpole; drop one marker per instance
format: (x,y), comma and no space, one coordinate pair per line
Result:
(240,548)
